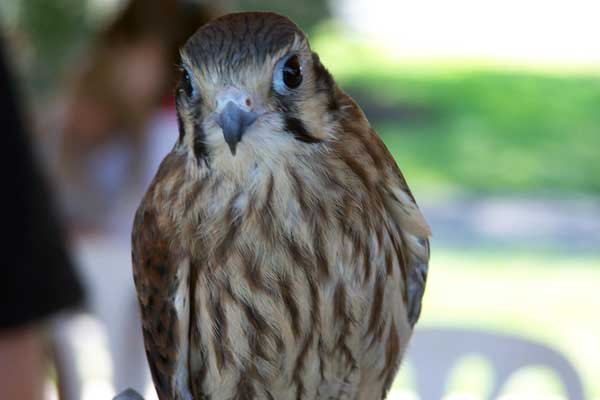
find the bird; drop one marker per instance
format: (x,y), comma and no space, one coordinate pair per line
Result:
(278,252)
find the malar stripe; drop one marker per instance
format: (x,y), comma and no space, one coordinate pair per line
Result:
(295,127)
(200,149)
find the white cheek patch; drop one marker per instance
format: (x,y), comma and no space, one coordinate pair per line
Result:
(273,149)
(213,134)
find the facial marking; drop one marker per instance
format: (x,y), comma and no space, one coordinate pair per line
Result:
(260,99)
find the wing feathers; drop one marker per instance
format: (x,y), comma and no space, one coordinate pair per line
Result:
(406,212)
(160,273)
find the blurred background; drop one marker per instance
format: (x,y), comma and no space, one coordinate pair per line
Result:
(491,109)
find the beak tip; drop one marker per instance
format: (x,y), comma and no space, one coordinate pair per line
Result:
(232,148)
(234,122)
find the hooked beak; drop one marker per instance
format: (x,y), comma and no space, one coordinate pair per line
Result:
(234,121)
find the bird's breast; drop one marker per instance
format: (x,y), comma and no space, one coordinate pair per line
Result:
(285,290)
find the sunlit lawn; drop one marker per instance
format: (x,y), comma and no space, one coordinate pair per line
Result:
(553,298)
(475,126)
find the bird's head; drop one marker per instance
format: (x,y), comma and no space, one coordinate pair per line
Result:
(252,91)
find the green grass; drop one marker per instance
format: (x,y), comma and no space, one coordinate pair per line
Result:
(552,298)
(481,127)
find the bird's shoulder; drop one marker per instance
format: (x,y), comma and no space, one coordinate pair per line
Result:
(363,150)
(154,227)
(367,156)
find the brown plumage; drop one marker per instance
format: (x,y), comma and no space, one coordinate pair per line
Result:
(278,253)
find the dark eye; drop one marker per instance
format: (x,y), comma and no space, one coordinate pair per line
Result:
(186,85)
(287,74)
(292,72)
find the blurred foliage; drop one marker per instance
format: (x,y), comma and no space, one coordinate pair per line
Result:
(50,30)
(306,13)
(476,127)
(54,26)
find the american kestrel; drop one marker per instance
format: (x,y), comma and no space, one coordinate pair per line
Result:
(278,253)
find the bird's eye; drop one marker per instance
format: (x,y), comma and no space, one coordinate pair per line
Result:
(288,74)
(186,85)
(292,72)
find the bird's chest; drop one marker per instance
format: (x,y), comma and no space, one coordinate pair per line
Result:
(281,295)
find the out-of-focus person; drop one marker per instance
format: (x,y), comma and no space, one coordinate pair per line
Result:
(118,121)
(37,276)
(108,141)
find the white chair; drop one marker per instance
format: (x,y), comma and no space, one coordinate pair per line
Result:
(434,352)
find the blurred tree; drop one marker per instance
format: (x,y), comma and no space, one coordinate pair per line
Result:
(52,29)
(306,13)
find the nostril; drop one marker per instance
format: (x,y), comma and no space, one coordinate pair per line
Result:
(248,102)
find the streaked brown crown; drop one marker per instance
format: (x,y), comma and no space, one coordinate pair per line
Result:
(238,39)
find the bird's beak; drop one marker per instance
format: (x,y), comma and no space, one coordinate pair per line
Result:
(234,121)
